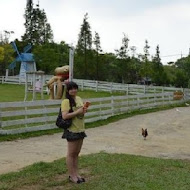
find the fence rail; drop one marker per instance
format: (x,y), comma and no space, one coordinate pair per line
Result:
(20,117)
(103,86)
(127,88)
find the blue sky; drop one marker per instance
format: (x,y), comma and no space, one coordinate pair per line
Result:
(162,22)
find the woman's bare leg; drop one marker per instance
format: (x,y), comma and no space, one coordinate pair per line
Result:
(73,151)
(80,142)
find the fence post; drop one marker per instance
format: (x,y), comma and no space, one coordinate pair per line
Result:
(2,79)
(154,99)
(100,110)
(26,116)
(170,98)
(54,89)
(163,98)
(0,118)
(112,105)
(138,101)
(144,89)
(96,86)
(127,90)
(111,88)
(82,85)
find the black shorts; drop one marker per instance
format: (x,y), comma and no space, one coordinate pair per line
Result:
(70,136)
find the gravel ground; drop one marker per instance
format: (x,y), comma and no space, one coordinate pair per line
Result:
(169,137)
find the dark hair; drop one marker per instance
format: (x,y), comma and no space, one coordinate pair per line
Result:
(69,86)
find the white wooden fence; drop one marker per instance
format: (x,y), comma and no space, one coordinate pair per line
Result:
(20,117)
(127,88)
(103,86)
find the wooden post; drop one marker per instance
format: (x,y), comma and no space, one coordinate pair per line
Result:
(163,99)
(34,90)
(26,88)
(128,102)
(0,118)
(71,63)
(100,110)
(170,98)
(54,89)
(138,101)
(144,89)
(96,86)
(82,85)
(111,86)
(155,98)
(7,73)
(45,114)
(19,80)
(2,79)
(42,89)
(112,105)
(26,117)
(127,90)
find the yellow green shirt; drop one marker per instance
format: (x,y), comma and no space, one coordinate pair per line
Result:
(77,121)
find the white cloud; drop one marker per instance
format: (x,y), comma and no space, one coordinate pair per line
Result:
(11,15)
(166,24)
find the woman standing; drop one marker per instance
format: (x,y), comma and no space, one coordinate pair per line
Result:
(72,108)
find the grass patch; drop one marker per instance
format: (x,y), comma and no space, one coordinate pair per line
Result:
(104,171)
(89,125)
(12,93)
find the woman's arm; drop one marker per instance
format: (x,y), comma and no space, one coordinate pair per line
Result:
(67,115)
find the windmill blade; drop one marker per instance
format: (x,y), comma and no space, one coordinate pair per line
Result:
(12,65)
(27,48)
(15,47)
(16,50)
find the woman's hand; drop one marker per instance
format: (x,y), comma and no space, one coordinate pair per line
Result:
(80,111)
(85,109)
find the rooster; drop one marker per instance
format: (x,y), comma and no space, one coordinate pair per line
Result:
(144,133)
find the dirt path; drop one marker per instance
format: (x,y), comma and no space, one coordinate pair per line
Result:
(169,137)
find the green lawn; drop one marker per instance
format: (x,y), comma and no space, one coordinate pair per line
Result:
(12,93)
(104,172)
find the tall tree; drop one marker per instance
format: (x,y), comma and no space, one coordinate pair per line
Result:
(133,50)
(146,51)
(1,54)
(122,53)
(184,64)
(85,41)
(158,75)
(123,60)
(6,57)
(156,60)
(38,30)
(5,36)
(51,55)
(98,50)
(146,69)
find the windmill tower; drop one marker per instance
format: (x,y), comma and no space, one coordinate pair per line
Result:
(27,61)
